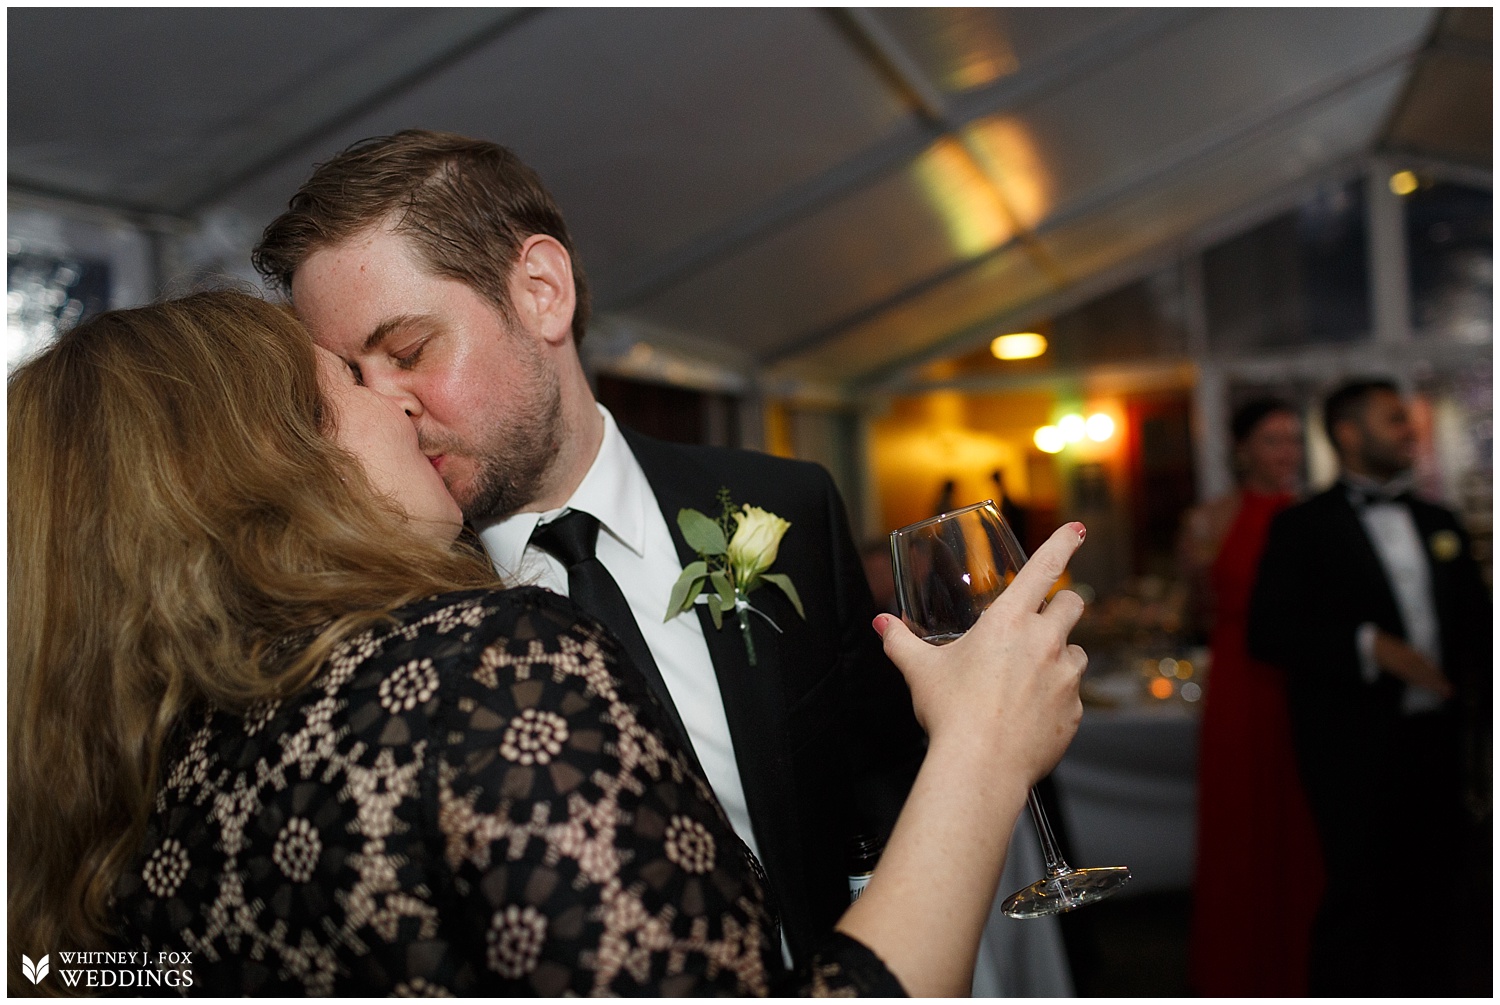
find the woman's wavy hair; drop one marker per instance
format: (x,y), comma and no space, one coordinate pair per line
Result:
(177,513)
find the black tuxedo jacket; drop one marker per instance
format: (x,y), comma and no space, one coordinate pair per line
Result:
(822,725)
(1320,579)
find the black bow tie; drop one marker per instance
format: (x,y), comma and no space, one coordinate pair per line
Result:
(1361,496)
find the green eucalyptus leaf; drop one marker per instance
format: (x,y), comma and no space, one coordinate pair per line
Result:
(686,589)
(785,583)
(702,534)
(726,589)
(714,611)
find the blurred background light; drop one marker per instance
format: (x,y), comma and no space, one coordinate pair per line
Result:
(1404,182)
(1099,427)
(972,211)
(1021,345)
(1072,428)
(1049,440)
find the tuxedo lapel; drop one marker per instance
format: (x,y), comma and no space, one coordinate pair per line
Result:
(754,702)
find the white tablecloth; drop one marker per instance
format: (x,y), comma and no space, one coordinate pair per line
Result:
(1128,791)
(1128,786)
(1021,959)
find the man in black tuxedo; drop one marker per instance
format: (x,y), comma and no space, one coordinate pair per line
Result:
(441,271)
(1371,601)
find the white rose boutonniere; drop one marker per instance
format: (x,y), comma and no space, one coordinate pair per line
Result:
(1445,545)
(734,554)
(757,536)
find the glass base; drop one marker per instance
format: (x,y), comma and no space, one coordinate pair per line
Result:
(1063,892)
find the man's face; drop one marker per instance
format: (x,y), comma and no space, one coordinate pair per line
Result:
(484,399)
(1387,443)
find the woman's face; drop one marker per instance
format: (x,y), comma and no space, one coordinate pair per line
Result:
(1272,454)
(376,430)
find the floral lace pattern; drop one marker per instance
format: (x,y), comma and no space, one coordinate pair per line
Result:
(471,801)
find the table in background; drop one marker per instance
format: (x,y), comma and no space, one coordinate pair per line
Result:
(1128,786)
(1021,959)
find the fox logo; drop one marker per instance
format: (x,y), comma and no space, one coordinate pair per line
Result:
(34,971)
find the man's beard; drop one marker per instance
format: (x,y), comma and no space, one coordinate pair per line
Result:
(511,463)
(1385,461)
(510,475)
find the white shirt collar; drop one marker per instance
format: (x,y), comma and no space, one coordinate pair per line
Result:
(611,491)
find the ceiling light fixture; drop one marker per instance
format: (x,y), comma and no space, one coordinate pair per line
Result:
(1021,345)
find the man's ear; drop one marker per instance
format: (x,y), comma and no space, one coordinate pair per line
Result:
(541,288)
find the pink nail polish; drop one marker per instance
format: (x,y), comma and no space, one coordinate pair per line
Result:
(1082,532)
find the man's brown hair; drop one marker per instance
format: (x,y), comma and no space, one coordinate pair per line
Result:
(466,204)
(1348,403)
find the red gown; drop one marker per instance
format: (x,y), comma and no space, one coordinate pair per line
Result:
(1259,872)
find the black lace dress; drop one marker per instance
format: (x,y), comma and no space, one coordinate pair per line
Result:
(470,801)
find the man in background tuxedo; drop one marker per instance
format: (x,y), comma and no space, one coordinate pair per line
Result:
(441,271)
(1370,599)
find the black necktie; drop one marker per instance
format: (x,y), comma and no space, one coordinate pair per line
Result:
(572,538)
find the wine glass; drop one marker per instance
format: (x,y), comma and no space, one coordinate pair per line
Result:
(948,570)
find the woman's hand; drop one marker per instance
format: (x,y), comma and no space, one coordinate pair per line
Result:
(1010,684)
(999,705)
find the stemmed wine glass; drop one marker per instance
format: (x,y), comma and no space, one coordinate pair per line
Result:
(948,570)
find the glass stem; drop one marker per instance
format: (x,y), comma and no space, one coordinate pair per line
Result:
(1056,864)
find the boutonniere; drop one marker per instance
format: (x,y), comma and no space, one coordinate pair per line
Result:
(734,554)
(1445,545)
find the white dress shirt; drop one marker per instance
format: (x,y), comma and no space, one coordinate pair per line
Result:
(1398,545)
(636,547)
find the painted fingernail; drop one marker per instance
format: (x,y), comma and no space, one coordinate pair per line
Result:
(1082,531)
(879,623)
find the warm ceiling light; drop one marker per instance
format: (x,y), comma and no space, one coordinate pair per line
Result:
(1049,440)
(1100,427)
(1022,345)
(1404,182)
(1072,428)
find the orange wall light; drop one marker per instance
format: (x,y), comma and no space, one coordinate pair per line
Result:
(1049,440)
(1074,428)
(1099,427)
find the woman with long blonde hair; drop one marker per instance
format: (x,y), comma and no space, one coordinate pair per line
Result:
(175,511)
(264,712)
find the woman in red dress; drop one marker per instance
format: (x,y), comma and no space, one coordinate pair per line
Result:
(1259,871)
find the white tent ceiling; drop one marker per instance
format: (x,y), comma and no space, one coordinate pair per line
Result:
(827,194)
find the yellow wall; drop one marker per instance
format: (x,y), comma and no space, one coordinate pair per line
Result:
(924,440)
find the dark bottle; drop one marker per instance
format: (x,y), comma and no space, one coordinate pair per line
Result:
(864,852)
